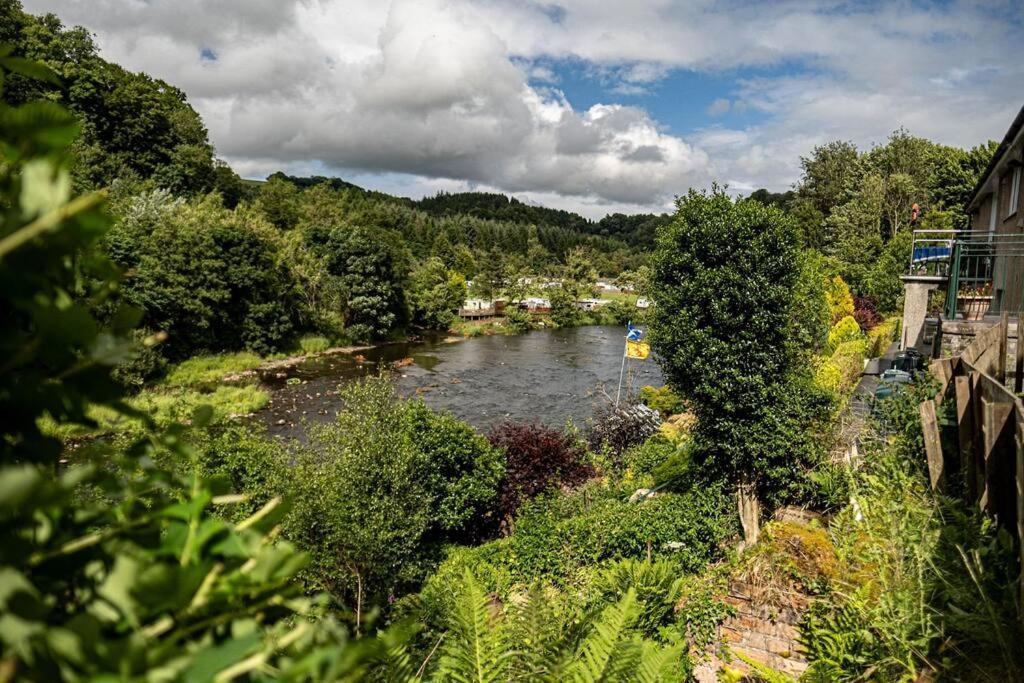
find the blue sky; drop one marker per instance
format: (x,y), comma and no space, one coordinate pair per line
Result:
(591,105)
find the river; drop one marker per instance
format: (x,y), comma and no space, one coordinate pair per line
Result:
(547,376)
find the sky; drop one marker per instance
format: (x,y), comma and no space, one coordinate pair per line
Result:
(595,106)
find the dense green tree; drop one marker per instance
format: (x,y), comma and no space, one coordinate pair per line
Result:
(205,275)
(436,294)
(373,269)
(724,276)
(830,174)
(131,123)
(579,274)
(491,276)
(279,200)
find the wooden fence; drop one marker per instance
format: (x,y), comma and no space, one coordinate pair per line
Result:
(989,448)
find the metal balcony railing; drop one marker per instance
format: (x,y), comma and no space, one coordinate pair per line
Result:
(983,271)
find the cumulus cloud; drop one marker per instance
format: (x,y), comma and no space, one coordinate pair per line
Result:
(459,93)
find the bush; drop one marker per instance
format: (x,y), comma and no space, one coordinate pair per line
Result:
(845,330)
(560,536)
(459,468)
(840,301)
(361,504)
(267,327)
(865,312)
(662,399)
(314,344)
(518,320)
(537,458)
(882,336)
(564,311)
(641,460)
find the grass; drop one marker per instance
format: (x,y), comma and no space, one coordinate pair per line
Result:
(626,297)
(472,328)
(207,371)
(166,406)
(314,344)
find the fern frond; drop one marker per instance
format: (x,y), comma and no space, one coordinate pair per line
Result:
(475,649)
(606,647)
(659,663)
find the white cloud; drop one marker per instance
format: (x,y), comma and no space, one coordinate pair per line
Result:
(440,89)
(720,106)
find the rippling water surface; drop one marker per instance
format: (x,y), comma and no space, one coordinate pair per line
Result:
(548,376)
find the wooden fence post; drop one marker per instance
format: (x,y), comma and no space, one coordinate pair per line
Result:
(1018,367)
(937,338)
(932,445)
(965,432)
(995,415)
(1004,332)
(1019,479)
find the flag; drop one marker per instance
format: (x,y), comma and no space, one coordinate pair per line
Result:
(637,349)
(633,334)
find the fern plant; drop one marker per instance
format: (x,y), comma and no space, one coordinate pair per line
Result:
(528,640)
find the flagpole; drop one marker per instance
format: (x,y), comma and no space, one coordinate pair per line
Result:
(621,371)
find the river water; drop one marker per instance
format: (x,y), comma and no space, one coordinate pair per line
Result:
(546,376)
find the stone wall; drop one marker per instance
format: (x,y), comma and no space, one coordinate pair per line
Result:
(763,633)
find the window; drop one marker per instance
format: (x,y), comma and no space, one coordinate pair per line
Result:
(1014,192)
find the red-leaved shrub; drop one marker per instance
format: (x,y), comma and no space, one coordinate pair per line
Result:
(537,458)
(865,312)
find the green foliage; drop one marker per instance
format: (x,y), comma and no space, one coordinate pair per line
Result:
(924,585)
(436,294)
(362,505)
(485,641)
(724,277)
(112,568)
(131,124)
(883,280)
(207,372)
(518,319)
(372,267)
(564,311)
(812,309)
(312,343)
(559,536)
(460,469)
(662,399)
(642,460)
(657,585)
(205,275)
(844,331)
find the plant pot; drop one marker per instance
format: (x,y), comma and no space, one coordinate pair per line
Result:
(974,306)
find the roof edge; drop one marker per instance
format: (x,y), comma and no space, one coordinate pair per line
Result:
(1011,134)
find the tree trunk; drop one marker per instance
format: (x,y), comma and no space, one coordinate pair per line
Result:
(750,511)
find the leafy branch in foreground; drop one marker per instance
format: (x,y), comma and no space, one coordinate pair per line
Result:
(110,567)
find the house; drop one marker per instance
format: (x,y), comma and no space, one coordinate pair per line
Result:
(980,270)
(591,304)
(995,209)
(475,309)
(536,304)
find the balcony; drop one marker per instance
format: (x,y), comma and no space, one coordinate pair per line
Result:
(981,273)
